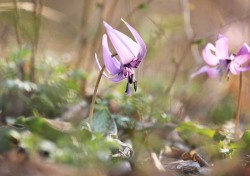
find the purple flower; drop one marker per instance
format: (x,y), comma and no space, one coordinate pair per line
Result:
(221,61)
(130,53)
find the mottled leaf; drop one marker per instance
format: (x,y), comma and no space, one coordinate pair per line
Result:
(103,123)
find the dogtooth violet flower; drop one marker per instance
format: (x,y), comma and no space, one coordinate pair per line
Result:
(130,53)
(221,61)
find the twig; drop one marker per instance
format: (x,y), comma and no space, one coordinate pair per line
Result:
(157,162)
(38,6)
(177,68)
(107,14)
(17,24)
(137,7)
(189,30)
(190,36)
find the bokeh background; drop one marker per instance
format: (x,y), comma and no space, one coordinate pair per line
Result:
(47,63)
(69,33)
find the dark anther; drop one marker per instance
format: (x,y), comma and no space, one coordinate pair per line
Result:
(130,79)
(127,91)
(135,85)
(114,54)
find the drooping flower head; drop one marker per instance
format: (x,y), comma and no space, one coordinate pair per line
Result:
(221,61)
(130,53)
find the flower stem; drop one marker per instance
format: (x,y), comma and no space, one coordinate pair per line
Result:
(92,106)
(237,116)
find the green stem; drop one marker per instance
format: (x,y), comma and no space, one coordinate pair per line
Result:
(237,116)
(92,106)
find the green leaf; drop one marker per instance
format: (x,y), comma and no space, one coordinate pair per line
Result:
(124,122)
(84,132)
(8,138)
(189,127)
(41,127)
(244,142)
(246,136)
(103,123)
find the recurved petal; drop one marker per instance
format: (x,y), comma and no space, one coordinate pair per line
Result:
(208,56)
(241,59)
(116,78)
(246,68)
(139,40)
(112,64)
(222,47)
(99,65)
(211,72)
(125,47)
(244,49)
(234,69)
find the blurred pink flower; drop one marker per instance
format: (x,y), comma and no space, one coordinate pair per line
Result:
(131,54)
(221,61)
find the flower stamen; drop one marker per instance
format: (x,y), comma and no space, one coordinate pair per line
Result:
(135,85)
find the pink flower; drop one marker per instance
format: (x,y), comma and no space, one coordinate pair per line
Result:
(130,53)
(221,61)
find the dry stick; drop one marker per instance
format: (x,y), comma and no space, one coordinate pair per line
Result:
(157,162)
(17,24)
(136,8)
(108,13)
(38,6)
(189,30)
(94,96)
(83,37)
(190,35)
(237,116)
(177,68)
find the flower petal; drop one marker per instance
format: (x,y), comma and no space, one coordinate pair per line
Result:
(234,69)
(116,78)
(139,40)
(242,69)
(208,56)
(212,72)
(125,47)
(99,65)
(241,59)
(244,49)
(221,47)
(112,64)
(132,45)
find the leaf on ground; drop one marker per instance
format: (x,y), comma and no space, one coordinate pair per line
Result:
(245,140)
(41,127)
(189,127)
(8,137)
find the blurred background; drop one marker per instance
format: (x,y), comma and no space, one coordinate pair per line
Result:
(52,43)
(47,64)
